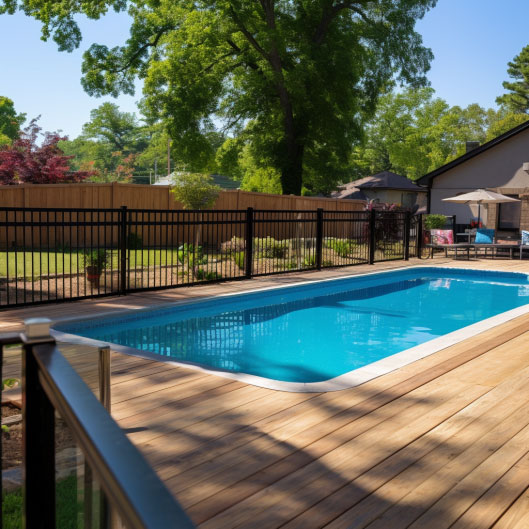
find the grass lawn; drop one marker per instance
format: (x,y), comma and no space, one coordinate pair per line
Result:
(44,263)
(68,508)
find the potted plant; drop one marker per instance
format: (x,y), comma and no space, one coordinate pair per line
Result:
(432,222)
(95,261)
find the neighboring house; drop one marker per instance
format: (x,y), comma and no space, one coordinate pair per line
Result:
(385,187)
(224,182)
(500,165)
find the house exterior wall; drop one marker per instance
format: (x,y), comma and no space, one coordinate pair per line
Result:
(499,168)
(393,196)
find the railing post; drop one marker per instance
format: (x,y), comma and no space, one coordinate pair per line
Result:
(38,434)
(372,235)
(407,227)
(249,243)
(319,237)
(104,377)
(123,249)
(419,236)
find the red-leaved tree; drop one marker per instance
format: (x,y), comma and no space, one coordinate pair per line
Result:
(27,162)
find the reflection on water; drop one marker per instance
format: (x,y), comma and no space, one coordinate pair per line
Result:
(317,338)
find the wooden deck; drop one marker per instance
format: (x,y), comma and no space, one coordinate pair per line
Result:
(442,442)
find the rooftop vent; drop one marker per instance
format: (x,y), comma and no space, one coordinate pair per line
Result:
(471,145)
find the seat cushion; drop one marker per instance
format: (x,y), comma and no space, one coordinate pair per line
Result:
(525,237)
(442,236)
(484,236)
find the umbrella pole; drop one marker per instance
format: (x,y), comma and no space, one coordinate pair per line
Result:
(479,212)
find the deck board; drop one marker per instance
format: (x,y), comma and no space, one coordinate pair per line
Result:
(442,442)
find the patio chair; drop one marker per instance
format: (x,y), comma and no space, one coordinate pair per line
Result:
(486,240)
(444,239)
(524,243)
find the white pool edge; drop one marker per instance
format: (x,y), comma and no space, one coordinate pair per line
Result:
(345,381)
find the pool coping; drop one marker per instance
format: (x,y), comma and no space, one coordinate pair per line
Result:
(345,381)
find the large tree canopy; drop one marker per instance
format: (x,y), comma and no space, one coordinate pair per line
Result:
(297,78)
(10,121)
(517,97)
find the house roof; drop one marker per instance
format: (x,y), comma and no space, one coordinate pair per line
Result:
(224,182)
(427,178)
(381,181)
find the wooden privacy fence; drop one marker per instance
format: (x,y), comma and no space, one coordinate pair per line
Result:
(81,215)
(135,196)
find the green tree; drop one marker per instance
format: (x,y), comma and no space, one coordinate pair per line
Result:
(119,130)
(195,190)
(517,97)
(414,132)
(10,121)
(504,122)
(298,78)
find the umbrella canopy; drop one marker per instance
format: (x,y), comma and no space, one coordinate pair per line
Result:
(480,196)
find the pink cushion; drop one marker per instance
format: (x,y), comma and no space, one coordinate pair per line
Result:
(442,236)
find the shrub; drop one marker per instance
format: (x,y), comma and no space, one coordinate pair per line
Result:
(96,258)
(134,241)
(204,275)
(309,260)
(270,248)
(342,247)
(188,255)
(240,259)
(235,244)
(434,222)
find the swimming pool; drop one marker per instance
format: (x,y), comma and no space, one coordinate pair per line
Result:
(302,337)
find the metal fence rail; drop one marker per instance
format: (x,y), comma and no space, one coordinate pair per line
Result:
(52,388)
(64,254)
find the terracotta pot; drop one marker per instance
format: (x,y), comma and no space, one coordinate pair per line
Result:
(426,237)
(93,275)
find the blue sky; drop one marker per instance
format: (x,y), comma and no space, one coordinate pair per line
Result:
(472,41)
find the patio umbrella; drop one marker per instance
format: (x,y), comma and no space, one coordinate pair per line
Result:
(480,196)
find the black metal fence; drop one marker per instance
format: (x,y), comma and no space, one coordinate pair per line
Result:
(51,255)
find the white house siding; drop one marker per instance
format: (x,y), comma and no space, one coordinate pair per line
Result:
(499,167)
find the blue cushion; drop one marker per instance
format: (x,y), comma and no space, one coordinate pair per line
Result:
(525,238)
(484,236)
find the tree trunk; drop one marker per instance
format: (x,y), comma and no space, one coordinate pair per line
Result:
(292,170)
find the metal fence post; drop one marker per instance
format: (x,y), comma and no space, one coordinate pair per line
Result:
(407,227)
(372,235)
(123,249)
(319,237)
(38,433)
(249,243)
(419,236)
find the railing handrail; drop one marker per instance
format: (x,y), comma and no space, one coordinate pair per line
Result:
(134,490)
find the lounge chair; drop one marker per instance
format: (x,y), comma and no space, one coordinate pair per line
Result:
(444,240)
(486,240)
(524,243)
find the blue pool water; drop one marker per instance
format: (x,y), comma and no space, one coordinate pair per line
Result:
(315,332)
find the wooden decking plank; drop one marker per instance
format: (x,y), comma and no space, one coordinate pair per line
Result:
(298,437)
(181,415)
(467,491)
(317,425)
(407,510)
(415,461)
(498,498)
(273,498)
(517,515)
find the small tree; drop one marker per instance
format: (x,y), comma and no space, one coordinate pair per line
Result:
(25,161)
(195,191)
